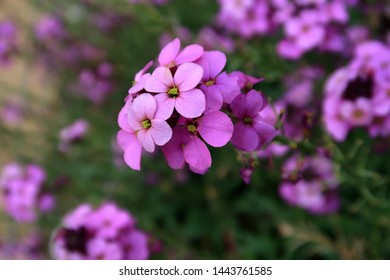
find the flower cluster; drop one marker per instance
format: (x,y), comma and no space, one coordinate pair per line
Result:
(23,193)
(358,95)
(310,183)
(8,41)
(178,107)
(307,24)
(105,233)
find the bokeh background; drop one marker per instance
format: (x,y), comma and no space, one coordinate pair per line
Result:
(52,79)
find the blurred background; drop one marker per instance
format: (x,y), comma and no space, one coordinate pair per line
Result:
(321,190)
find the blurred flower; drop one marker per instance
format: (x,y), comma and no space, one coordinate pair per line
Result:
(11,114)
(357,95)
(73,133)
(310,183)
(107,232)
(22,191)
(49,28)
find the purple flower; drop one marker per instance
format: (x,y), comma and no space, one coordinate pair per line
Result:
(73,133)
(178,92)
(215,128)
(310,183)
(251,132)
(49,27)
(8,41)
(108,233)
(140,79)
(218,87)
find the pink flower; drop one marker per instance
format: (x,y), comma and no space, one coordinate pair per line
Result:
(170,55)
(245,82)
(251,132)
(218,87)
(215,128)
(178,92)
(149,127)
(358,112)
(140,79)
(101,249)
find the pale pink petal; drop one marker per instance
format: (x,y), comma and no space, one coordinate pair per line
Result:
(129,143)
(133,120)
(189,54)
(173,149)
(122,120)
(161,132)
(244,137)
(196,154)
(191,104)
(214,99)
(145,138)
(144,106)
(216,128)
(165,106)
(188,76)
(160,80)
(140,84)
(169,53)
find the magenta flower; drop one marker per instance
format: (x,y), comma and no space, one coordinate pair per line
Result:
(73,133)
(214,128)
(358,112)
(140,79)
(149,127)
(218,87)
(251,132)
(49,27)
(170,55)
(178,92)
(108,233)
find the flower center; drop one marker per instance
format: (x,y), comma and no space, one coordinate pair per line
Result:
(146,124)
(247,120)
(191,128)
(209,83)
(358,114)
(133,83)
(173,92)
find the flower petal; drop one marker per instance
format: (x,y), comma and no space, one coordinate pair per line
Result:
(144,106)
(130,144)
(165,106)
(133,120)
(143,71)
(161,132)
(139,85)
(122,119)
(169,53)
(212,62)
(244,137)
(160,80)
(191,104)
(189,54)
(173,151)
(188,76)
(228,85)
(266,132)
(216,128)
(196,154)
(145,138)
(214,99)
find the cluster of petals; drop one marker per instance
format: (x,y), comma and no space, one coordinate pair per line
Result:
(179,107)
(306,24)
(22,192)
(310,183)
(358,95)
(8,41)
(105,233)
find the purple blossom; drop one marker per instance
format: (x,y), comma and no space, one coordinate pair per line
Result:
(106,233)
(8,41)
(73,133)
(171,55)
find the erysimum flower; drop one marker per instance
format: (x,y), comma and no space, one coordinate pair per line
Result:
(149,126)
(218,87)
(140,79)
(214,128)
(178,92)
(251,132)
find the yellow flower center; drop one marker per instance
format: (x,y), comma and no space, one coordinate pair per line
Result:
(191,128)
(146,124)
(173,92)
(247,120)
(209,83)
